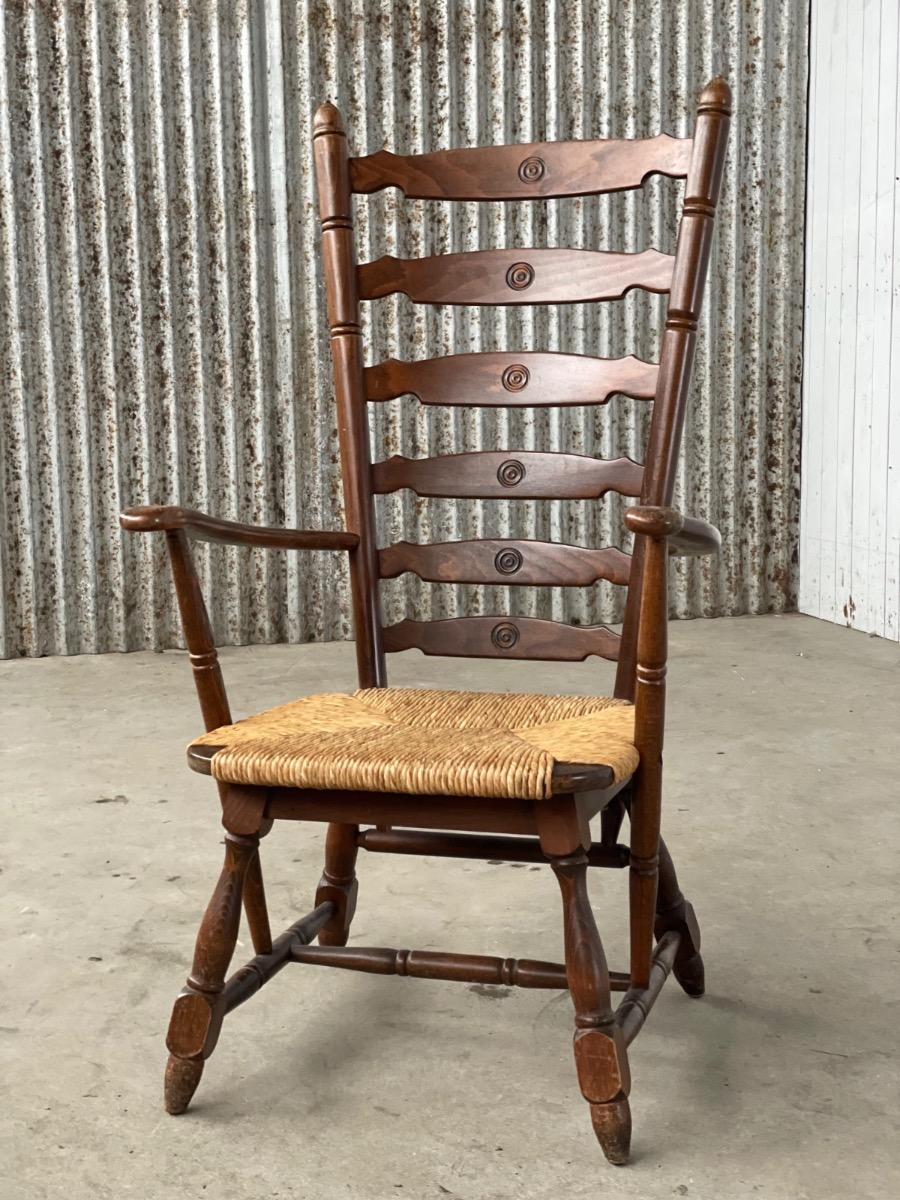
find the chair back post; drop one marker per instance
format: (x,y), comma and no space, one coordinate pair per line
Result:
(649,722)
(679,339)
(339,256)
(642,663)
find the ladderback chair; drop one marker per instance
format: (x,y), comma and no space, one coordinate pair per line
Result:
(474,775)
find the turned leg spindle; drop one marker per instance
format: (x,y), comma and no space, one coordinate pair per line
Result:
(611,819)
(338,884)
(255,907)
(673,912)
(600,1054)
(199,1009)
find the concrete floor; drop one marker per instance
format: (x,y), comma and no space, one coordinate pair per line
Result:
(782,814)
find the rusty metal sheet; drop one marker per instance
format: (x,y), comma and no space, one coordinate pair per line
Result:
(162,328)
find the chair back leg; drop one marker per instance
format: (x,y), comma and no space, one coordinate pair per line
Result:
(673,912)
(339,884)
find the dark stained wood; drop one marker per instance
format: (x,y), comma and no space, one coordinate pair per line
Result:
(338,885)
(247,981)
(199,1010)
(198,633)
(339,259)
(679,337)
(564,828)
(685,536)
(244,809)
(688,282)
(463,826)
(696,538)
(600,1053)
(200,758)
(482,846)
(464,813)
(495,560)
(531,171)
(611,819)
(510,475)
(255,907)
(430,964)
(510,380)
(653,521)
(179,524)
(649,721)
(624,685)
(635,1006)
(503,637)
(153,518)
(593,785)
(675,914)
(535,276)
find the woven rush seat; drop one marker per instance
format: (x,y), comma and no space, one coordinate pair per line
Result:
(425,742)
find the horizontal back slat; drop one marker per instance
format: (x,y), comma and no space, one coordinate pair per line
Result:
(509,475)
(512,379)
(535,171)
(535,276)
(520,378)
(510,561)
(503,637)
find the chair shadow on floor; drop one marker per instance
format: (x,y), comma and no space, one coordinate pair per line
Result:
(335,1049)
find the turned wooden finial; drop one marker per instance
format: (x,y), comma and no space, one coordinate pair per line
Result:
(327,120)
(715,97)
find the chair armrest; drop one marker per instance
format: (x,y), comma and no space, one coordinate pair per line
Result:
(181,524)
(686,536)
(159,518)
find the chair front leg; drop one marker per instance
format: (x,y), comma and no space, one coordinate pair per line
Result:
(199,1009)
(600,1054)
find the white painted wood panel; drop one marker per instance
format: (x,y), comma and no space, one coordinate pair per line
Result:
(850,476)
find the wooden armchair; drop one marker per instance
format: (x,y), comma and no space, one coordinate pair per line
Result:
(474,775)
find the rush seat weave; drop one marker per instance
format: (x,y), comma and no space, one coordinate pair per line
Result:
(425,742)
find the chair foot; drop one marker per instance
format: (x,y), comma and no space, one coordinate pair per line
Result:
(612,1125)
(182,1077)
(691,975)
(200,1007)
(601,1058)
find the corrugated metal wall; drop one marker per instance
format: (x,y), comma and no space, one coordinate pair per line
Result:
(850,520)
(161,310)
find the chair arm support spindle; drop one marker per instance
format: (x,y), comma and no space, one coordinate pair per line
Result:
(198,633)
(180,525)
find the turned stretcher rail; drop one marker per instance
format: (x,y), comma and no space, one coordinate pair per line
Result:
(247,980)
(635,1005)
(436,964)
(479,846)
